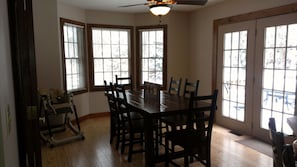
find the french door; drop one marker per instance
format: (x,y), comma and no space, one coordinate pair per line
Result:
(257,74)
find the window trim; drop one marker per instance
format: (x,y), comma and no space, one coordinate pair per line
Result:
(84,57)
(138,54)
(92,87)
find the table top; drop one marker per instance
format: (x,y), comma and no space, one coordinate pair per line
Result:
(169,104)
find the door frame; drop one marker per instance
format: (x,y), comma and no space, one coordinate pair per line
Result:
(25,81)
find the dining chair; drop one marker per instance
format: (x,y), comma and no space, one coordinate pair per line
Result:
(174,86)
(109,93)
(175,121)
(133,124)
(174,89)
(191,87)
(152,92)
(126,82)
(195,139)
(179,121)
(283,155)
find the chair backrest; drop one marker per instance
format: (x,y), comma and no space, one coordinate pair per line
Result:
(152,92)
(174,86)
(123,107)
(277,141)
(107,88)
(191,87)
(202,121)
(111,99)
(126,82)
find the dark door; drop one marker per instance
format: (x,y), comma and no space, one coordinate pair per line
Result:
(25,81)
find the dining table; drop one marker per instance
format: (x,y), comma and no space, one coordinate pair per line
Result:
(168,105)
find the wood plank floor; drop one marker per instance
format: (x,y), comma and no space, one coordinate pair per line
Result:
(95,150)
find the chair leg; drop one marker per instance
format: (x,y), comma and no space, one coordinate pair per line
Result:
(118,137)
(157,142)
(166,153)
(131,140)
(123,141)
(208,163)
(186,160)
(112,130)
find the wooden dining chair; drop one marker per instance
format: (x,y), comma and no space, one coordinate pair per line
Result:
(191,87)
(126,82)
(195,139)
(179,121)
(152,92)
(174,86)
(132,124)
(283,155)
(109,93)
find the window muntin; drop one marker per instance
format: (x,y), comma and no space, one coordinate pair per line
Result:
(110,53)
(73,37)
(152,57)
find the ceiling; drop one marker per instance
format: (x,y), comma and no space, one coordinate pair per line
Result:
(114,5)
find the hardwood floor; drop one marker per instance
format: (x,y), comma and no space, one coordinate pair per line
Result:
(95,150)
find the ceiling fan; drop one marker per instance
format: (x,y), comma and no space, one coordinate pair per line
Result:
(162,7)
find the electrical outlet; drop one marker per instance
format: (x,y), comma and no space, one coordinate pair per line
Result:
(8,119)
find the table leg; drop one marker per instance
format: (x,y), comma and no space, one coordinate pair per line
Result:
(149,142)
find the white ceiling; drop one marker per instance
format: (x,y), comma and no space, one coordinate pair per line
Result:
(114,5)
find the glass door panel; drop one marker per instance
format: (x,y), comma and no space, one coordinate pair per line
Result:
(276,66)
(234,72)
(234,79)
(279,75)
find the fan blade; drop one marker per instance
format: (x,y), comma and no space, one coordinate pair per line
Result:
(140,4)
(191,2)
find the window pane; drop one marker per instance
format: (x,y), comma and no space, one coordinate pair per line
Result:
(124,51)
(292,31)
(281,36)
(115,37)
(270,36)
(106,37)
(124,37)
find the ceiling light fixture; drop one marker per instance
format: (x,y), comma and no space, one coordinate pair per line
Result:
(160,9)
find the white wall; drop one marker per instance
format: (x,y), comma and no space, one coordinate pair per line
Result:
(8,133)
(202,33)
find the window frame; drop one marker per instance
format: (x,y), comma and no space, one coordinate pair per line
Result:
(84,89)
(139,54)
(92,86)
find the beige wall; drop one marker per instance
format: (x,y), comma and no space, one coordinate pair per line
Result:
(47,48)
(202,33)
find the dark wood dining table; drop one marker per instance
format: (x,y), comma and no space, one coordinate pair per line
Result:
(168,105)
